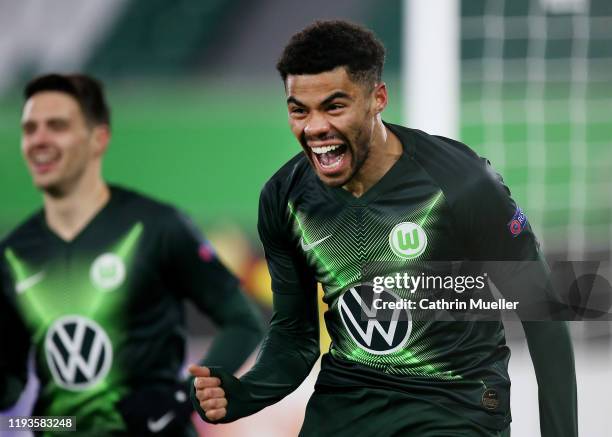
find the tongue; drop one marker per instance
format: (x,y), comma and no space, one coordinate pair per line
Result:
(330,158)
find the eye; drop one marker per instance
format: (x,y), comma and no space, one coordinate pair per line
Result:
(297,111)
(29,128)
(58,125)
(335,107)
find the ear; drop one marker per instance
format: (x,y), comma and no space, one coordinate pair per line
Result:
(101,138)
(380,97)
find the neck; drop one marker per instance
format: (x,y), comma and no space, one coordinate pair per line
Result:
(385,150)
(67,214)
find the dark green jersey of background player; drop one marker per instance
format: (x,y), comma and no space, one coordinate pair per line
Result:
(452,206)
(104,311)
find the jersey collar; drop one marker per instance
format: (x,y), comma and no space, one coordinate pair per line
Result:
(387,181)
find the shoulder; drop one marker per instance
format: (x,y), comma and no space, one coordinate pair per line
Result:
(160,220)
(457,169)
(293,173)
(276,194)
(164,222)
(30,228)
(145,206)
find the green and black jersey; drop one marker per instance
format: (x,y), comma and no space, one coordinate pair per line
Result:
(439,202)
(450,206)
(104,312)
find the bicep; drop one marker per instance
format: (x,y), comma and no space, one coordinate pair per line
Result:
(500,238)
(192,270)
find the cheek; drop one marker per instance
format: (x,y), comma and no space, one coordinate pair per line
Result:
(297,127)
(351,126)
(75,149)
(360,136)
(67,146)
(24,147)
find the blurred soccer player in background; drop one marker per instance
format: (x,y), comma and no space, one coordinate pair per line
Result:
(95,282)
(365,190)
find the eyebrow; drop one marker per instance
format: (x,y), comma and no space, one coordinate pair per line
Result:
(46,121)
(328,99)
(292,99)
(334,96)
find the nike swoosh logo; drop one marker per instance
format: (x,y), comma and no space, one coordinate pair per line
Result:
(30,282)
(156,426)
(310,246)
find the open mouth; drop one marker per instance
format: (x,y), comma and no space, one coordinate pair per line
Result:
(329,157)
(43,160)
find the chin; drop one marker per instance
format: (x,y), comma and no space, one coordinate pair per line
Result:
(335,182)
(50,187)
(42,181)
(332,183)
(42,185)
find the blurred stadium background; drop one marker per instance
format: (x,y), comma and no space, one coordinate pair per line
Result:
(199,120)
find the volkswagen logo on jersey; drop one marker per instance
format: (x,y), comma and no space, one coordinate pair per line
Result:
(107,272)
(377,330)
(79,352)
(408,240)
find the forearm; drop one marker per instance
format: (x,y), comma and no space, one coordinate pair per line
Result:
(232,358)
(551,351)
(242,328)
(10,390)
(287,355)
(283,363)
(14,347)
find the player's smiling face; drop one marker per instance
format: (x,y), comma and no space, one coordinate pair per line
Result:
(56,141)
(333,118)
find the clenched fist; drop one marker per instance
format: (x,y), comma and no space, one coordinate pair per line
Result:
(209,392)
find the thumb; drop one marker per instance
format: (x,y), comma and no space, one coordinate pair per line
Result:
(199,370)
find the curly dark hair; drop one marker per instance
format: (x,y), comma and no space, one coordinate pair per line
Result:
(86,90)
(325,45)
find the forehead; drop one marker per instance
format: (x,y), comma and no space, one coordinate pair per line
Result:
(50,104)
(314,87)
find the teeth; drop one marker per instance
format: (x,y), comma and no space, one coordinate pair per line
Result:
(324,149)
(43,158)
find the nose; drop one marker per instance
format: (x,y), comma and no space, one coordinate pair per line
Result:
(317,125)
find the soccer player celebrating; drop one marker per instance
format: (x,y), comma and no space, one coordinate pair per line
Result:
(95,282)
(368,191)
